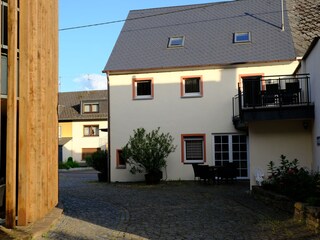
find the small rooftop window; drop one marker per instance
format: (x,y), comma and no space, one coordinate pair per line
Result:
(176,42)
(241,37)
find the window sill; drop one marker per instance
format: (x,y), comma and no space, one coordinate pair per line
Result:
(195,161)
(143,98)
(121,167)
(191,96)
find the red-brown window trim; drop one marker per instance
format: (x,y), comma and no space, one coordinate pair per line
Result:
(182,90)
(241,76)
(200,135)
(95,125)
(118,165)
(134,81)
(90,106)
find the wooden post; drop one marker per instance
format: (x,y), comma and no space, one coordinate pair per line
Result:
(38,122)
(1,159)
(11,115)
(24,161)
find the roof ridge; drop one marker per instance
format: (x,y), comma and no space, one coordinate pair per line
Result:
(188,5)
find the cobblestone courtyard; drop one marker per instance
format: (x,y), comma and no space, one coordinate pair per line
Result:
(172,210)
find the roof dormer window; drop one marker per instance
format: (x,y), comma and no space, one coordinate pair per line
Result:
(90,108)
(176,42)
(241,37)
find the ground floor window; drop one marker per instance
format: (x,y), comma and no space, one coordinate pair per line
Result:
(86,152)
(193,148)
(231,148)
(121,162)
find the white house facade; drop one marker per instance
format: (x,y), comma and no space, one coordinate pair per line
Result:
(205,79)
(311,64)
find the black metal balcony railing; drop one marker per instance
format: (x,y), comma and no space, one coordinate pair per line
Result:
(271,92)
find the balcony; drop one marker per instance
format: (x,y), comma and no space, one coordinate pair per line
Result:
(280,97)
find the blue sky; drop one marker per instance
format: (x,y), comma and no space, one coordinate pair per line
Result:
(84,52)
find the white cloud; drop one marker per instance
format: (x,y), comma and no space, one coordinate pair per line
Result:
(91,82)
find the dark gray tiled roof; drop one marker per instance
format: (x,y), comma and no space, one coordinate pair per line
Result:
(304,18)
(208,30)
(70,105)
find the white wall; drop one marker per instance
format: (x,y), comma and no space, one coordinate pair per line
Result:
(67,151)
(312,65)
(269,140)
(210,114)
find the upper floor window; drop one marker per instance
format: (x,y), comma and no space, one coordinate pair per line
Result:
(191,87)
(241,37)
(90,107)
(142,88)
(60,132)
(91,130)
(4,25)
(176,42)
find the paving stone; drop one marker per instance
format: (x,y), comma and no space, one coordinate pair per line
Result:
(170,211)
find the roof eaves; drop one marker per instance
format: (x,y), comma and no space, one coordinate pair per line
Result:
(172,69)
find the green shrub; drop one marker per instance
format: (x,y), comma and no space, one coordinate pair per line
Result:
(68,164)
(63,166)
(98,161)
(148,151)
(293,181)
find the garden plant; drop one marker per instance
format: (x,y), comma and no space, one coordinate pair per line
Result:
(293,181)
(147,152)
(98,160)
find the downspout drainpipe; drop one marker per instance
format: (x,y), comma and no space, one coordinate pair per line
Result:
(282,16)
(108,161)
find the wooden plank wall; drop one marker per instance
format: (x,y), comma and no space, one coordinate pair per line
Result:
(38,120)
(12,109)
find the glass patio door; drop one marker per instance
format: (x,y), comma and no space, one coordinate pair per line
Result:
(231,148)
(251,91)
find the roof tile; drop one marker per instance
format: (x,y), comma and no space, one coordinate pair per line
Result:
(70,105)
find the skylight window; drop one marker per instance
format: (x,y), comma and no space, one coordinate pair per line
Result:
(241,37)
(176,42)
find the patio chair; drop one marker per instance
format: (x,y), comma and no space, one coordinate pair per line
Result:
(227,172)
(259,176)
(271,94)
(203,172)
(291,94)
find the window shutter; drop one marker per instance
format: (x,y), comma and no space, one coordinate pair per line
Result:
(194,149)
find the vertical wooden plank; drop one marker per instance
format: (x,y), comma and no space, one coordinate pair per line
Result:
(54,106)
(23,113)
(51,105)
(38,142)
(37,114)
(33,193)
(11,115)
(1,160)
(43,86)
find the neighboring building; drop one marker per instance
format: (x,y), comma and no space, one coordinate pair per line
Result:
(311,64)
(83,124)
(29,99)
(218,77)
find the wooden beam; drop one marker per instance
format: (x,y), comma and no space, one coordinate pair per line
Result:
(24,161)
(12,115)
(38,122)
(1,159)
